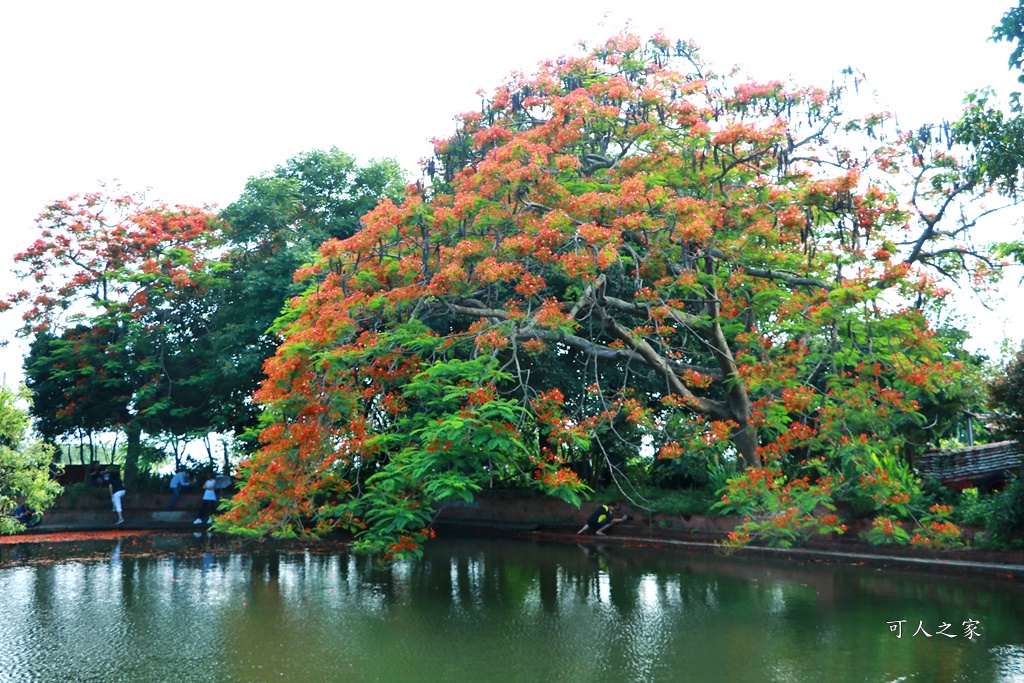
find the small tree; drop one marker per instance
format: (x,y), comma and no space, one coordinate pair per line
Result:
(25,464)
(117,306)
(1006,394)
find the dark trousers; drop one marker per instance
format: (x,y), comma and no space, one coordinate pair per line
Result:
(206,509)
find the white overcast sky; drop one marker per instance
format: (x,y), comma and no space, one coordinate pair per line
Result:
(190,98)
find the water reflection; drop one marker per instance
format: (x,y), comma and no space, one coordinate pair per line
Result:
(486,610)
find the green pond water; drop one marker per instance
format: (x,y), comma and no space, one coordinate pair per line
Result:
(180,608)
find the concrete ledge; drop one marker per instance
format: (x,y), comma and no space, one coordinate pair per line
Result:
(170,516)
(881,558)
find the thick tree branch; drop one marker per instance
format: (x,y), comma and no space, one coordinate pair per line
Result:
(714,409)
(792,280)
(586,346)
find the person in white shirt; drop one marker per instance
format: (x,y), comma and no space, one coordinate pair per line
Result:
(112,478)
(209,500)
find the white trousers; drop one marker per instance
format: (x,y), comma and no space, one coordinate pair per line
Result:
(116,500)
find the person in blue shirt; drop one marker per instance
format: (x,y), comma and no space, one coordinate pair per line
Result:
(178,482)
(22,513)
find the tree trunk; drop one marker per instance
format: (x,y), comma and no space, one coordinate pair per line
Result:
(745,441)
(132,452)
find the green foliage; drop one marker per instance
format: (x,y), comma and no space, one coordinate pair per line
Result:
(944,411)
(441,431)
(274,228)
(118,310)
(933,529)
(1011,29)
(25,464)
(878,483)
(1006,521)
(311,198)
(933,491)
(84,495)
(974,509)
(154,320)
(692,501)
(997,139)
(995,136)
(68,393)
(458,436)
(1006,395)
(682,472)
(149,480)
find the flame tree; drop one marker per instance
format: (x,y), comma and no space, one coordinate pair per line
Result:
(116,305)
(621,249)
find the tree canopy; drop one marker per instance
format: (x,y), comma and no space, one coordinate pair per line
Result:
(623,250)
(271,230)
(1011,29)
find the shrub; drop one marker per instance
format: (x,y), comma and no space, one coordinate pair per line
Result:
(85,495)
(692,501)
(778,510)
(933,491)
(973,509)
(1006,519)
(884,530)
(937,529)
(881,485)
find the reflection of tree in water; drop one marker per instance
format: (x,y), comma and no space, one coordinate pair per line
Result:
(607,613)
(559,612)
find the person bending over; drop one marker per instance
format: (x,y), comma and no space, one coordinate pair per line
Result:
(178,482)
(112,478)
(23,513)
(603,519)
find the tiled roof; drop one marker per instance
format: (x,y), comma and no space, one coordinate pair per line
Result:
(973,462)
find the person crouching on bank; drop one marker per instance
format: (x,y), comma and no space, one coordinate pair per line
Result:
(603,519)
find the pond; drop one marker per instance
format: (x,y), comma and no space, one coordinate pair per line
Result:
(179,608)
